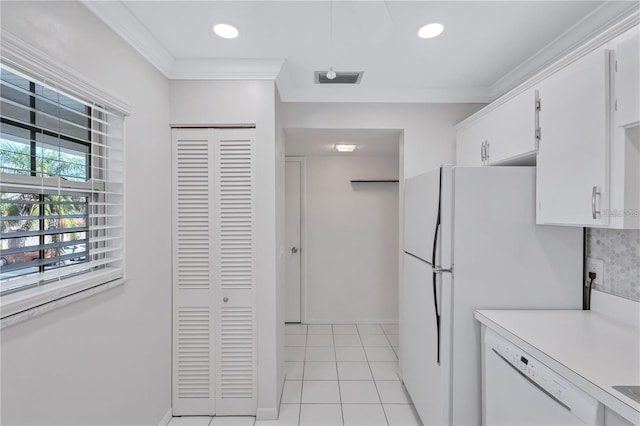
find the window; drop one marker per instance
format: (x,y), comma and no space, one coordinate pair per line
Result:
(61,192)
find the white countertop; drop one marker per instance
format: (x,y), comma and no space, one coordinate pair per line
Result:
(589,349)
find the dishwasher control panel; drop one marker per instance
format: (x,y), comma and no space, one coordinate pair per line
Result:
(530,367)
(545,379)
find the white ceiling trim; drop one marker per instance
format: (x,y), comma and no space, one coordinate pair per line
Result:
(226,69)
(122,21)
(119,18)
(628,21)
(580,34)
(355,93)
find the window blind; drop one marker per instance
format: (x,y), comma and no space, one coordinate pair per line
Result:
(61,187)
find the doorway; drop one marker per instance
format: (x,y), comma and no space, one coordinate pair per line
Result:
(341,226)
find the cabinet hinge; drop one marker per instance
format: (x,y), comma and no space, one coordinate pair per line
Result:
(538,105)
(538,134)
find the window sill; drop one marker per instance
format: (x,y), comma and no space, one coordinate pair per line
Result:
(27,304)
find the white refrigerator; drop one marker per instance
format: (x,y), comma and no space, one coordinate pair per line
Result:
(471,242)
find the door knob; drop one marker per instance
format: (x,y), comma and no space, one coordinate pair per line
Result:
(225,299)
(294,250)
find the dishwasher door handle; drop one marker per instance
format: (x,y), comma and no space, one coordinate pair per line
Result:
(531,381)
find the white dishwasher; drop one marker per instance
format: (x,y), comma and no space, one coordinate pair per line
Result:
(519,390)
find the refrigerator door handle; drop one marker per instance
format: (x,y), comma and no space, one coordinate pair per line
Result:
(435,303)
(436,270)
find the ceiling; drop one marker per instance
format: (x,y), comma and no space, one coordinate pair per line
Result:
(309,142)
(487,47)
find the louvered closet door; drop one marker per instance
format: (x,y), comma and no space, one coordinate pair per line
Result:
(235,274)
(214,341)
(193,272)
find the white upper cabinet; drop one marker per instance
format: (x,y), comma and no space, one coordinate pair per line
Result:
(624,212)
(579,122)
(471,143)
(627,79)
(502,135)
(513,134)
(573,155)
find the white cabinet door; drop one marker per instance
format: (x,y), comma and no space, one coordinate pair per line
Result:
(469,144)
(512,133)
(502,136)
(628,79)
(573,155)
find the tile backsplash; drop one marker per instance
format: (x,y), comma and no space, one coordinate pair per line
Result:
(620,250)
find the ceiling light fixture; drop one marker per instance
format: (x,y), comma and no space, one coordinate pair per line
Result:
(431,30)
(225,30)
(345,147)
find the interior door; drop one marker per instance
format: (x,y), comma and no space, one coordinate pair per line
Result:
(292,249)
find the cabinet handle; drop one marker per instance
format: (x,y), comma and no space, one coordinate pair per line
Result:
(487,151)
(594,194)
(482,152)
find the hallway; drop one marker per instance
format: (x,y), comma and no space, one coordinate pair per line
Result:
(343,375)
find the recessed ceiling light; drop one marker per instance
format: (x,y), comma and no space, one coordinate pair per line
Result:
(225,30)
(343,147)
(431,30)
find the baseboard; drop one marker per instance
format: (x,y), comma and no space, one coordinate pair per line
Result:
(351,321)
(267,414)
(616,307)
(167,418)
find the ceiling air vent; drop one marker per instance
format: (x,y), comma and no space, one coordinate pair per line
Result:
(320,77)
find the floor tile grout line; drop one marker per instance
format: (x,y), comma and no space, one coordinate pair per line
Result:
(304,364)
(335,355)
(374,379)
(389,341)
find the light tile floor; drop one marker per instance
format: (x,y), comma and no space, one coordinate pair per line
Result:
(336,375)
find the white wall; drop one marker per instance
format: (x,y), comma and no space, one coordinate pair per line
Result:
(106,359)
(427,140)
(429,136)
(234,103)
(280,247)
(352,239)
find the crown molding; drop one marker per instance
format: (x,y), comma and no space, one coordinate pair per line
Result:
(23,57)
(624,22)
(601,25)
(119,18)
(593,28)
(355,93)
(226,69)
